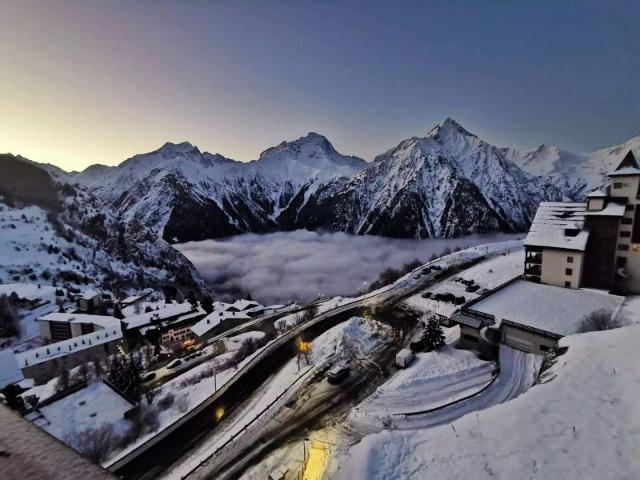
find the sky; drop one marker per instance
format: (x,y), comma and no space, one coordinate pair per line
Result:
(84,82)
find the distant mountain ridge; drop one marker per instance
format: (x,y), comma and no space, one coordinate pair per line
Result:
(447,183)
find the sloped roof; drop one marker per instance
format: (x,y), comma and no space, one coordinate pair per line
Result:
(103,321)
(628,166)
(551,222)
(597,194)
(214,319)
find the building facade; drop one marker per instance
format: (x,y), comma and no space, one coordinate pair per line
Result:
(594,244)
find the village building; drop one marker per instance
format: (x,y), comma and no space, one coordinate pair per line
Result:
(179,330)
(44,362)
(217,322)
(594,244)
(91,301)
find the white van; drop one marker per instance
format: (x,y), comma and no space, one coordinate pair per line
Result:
(404,358)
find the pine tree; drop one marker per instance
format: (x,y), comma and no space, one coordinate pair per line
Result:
(192,298)
(207,304)
(433,335)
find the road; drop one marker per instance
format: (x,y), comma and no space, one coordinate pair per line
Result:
(148,460)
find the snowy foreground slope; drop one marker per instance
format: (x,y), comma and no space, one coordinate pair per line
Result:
(581,421)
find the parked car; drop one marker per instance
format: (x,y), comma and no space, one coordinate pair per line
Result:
(337,374)
(148,377)
(174,364)
(404,358)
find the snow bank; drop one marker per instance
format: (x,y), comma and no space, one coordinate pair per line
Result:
(583,421)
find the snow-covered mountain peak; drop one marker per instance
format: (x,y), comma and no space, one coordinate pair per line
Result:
(449,128)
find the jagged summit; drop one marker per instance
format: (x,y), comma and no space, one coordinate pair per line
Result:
(448,127)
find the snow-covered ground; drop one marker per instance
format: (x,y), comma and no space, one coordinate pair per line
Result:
(582,421)
(488,274)
(433,379)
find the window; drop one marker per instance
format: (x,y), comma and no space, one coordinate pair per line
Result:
(569,259)
(544,348)
(629,208)
(621,261)
(623,247)
(617,185)
(567,284)
(627,221)
(625,234)
(568,271)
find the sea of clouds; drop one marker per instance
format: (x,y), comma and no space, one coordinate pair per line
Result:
(301,265)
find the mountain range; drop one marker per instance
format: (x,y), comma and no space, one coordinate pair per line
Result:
(112,226)
(447,183)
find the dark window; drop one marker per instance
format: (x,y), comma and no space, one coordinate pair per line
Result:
(635,237)
(568,271)
(569,259)
(624,247)
(625,234)
(544,348)
(470,338)
(567,284)
(627,221)
(621,261)
(629,208)
(617,185)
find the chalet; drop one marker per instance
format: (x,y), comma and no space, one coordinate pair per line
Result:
(217,322)
(90,300)
(594,244)
(179,330)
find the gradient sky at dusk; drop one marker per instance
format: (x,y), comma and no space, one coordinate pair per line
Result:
(83,82)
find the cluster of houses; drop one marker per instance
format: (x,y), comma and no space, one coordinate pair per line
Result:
(580,258)
(73,338)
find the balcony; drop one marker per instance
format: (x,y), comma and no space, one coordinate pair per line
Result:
(532,270)
(534,258)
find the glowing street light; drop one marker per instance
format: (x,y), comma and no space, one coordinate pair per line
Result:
(219,413)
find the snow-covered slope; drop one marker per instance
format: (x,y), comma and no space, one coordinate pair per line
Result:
(447,183)
(576,174)
(581,422)
(63,235)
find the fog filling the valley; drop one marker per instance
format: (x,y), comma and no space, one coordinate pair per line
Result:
(300,265)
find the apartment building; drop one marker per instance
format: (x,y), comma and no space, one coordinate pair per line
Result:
(594,244)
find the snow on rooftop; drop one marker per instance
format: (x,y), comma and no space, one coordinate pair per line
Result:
(9,369)
(597,194)
(103,321)
(71,345)
(169,310)
(138,296)
(553,309)
(88,408)
(214,319)
(611,210)
(246,304)
(551,222)
(88,294)
(625,171)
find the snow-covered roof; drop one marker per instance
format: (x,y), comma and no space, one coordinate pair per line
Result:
(246,304)
(596,194)
(71,345)
(139,296)
(103,321)
(611,210)
(88,294)
(214,319)
(9,369)
(551,222)
(625,171)
(169,310)
(556,310)
(90,407)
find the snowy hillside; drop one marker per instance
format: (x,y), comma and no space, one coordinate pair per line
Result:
(66,236)
(555,430)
